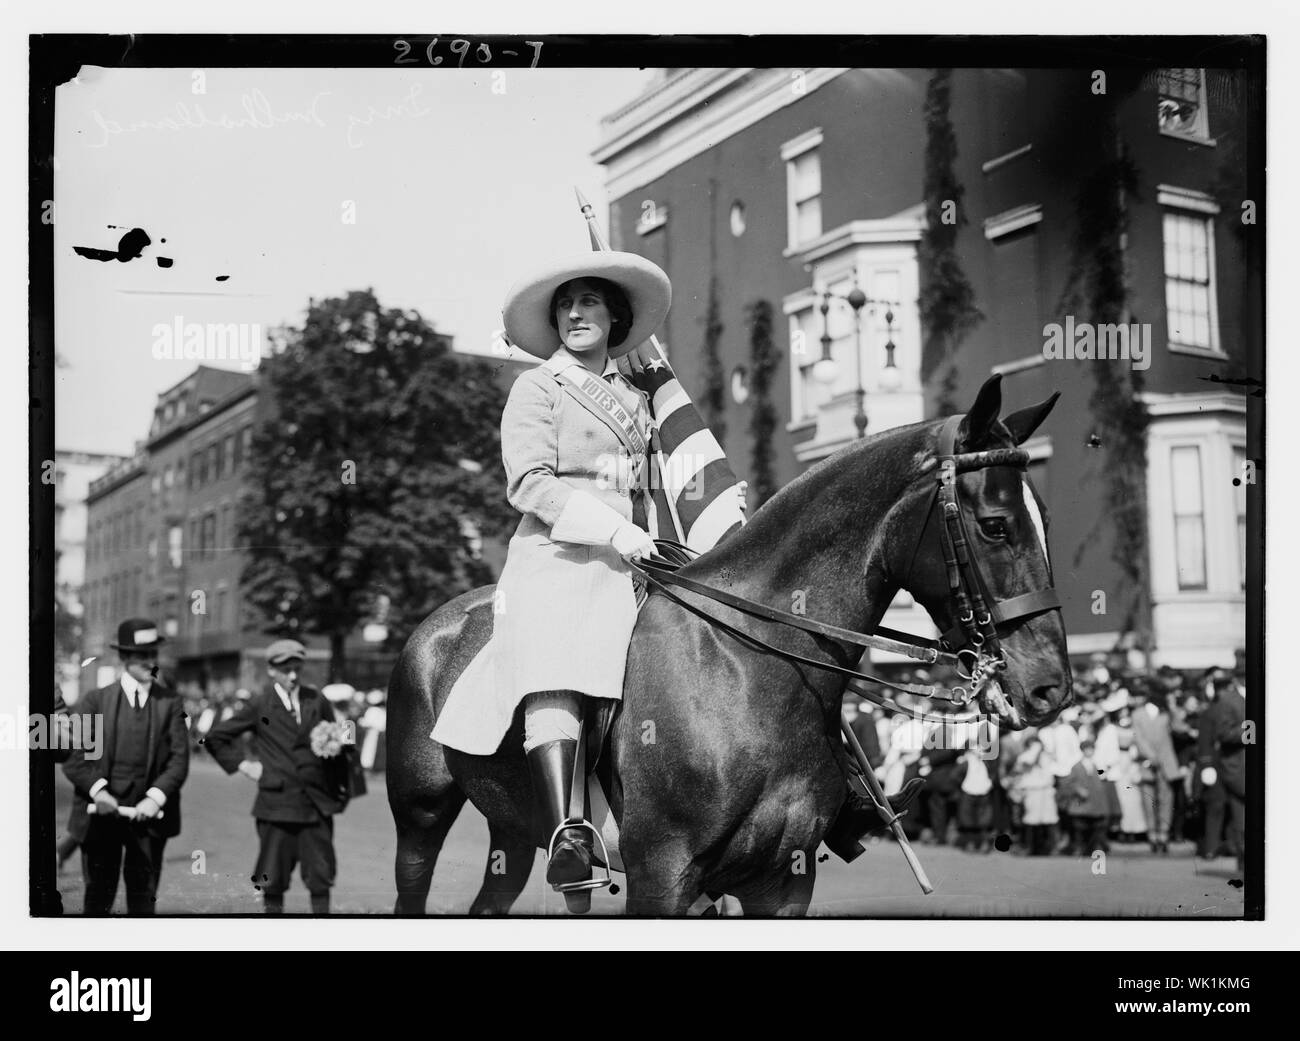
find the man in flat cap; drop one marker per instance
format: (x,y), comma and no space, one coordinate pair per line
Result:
(131,790)
(298,792)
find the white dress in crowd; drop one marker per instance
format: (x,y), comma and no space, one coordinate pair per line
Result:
(1037,784)
(1114,756)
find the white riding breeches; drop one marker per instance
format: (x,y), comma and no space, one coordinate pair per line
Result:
(550,715)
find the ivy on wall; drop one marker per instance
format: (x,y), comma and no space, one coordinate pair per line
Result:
(713,399)
(947,301)
(763,360)
(1097,291)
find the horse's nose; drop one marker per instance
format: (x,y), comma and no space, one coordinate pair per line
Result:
(1048,698)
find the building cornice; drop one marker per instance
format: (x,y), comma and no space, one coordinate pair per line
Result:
(688,115)
(1202,404)
(901,227)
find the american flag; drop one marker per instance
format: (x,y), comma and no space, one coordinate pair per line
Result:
(695,498)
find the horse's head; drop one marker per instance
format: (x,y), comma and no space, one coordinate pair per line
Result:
(996,604)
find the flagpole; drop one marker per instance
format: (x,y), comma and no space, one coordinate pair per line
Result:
(598,243)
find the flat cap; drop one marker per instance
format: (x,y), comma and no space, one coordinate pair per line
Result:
(285,650)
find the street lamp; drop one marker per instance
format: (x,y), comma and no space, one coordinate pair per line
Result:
(826,369)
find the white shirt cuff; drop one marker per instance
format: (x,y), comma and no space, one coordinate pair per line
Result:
(156,794)
(586,521)
(98,787)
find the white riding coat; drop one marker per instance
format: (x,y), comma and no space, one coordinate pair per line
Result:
(565,604)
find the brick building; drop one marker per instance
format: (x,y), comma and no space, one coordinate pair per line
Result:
(779,185)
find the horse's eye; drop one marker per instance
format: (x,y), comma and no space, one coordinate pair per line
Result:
(993,527)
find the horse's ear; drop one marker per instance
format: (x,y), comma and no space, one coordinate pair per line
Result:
(1022,424)
(977,427)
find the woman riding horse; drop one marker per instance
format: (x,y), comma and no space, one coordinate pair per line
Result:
(565,603)
(575,436)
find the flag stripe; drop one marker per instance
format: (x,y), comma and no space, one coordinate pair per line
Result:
(716,521)
(669,400)
(718,483)
(687,460)
(680,427)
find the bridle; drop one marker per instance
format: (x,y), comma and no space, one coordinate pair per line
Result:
(972,646)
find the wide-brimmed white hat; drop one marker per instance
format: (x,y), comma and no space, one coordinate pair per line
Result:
(527,308)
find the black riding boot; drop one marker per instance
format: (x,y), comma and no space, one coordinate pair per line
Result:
(858,818)
(551,766)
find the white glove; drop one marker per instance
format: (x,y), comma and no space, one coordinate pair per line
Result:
(632,542)
(251,768)
(1208,776)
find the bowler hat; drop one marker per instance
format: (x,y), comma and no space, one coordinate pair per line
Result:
(285,650)
(137,634)
(526,312)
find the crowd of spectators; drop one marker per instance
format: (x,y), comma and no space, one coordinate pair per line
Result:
(1147,760)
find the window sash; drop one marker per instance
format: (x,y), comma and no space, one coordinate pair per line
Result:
(1189,516)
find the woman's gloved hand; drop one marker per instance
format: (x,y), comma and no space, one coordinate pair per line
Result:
(632,543)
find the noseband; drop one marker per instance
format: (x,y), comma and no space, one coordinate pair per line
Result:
(971,646)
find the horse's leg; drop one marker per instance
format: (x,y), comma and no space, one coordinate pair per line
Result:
(510,862)
(788,896)
(662,882)
(420,834)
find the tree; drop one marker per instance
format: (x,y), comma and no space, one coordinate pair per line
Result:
(947,303)
(376,444)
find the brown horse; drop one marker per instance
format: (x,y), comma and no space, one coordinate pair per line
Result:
(727,761)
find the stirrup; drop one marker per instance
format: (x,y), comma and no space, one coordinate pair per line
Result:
(595,882)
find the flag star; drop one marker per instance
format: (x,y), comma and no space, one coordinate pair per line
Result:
(655,364)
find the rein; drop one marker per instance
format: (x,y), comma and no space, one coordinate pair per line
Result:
(971,646)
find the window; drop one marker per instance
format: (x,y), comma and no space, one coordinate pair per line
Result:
(175,537)
(1190,309)
(228,450)
(209,538)
(214,460)
(237,450)
(805,198)
(737,219)
(198,470)
(1181,110)
(803,176)
(247,438)
(1189,517)
(1238,470)
(805,352)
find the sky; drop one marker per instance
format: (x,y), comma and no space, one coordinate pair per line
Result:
(455,191)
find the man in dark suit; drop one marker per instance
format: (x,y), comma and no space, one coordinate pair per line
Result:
(135,782)
(1154,741)
(1221,755)
(298,792)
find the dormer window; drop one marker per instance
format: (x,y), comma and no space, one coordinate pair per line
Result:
(1181,109)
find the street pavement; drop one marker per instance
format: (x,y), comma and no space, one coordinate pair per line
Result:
(208,867)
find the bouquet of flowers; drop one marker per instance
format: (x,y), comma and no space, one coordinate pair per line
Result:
(328,738)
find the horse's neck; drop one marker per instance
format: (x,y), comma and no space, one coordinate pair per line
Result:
(818,548)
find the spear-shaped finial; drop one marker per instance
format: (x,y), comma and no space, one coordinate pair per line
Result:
(593,229)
